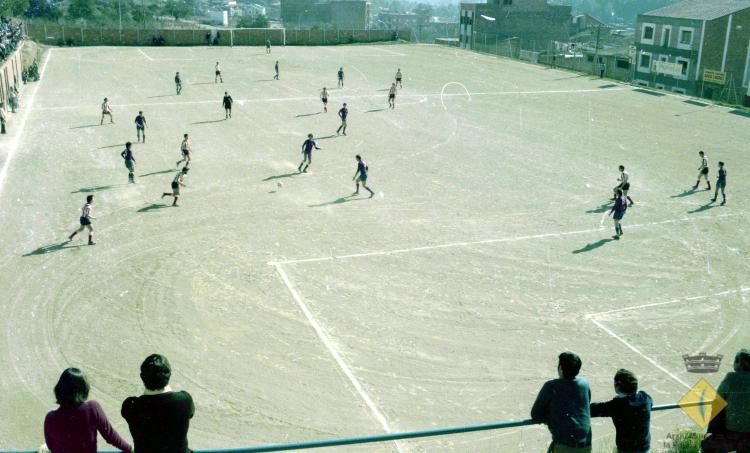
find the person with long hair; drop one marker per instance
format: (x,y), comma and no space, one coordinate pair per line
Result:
(72,427)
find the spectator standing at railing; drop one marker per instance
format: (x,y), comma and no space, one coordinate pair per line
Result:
(159,419)
(730,429)
(630,411)
(2,118)
(563,405)
(72,427)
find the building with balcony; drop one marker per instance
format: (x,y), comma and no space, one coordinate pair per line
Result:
(696,47)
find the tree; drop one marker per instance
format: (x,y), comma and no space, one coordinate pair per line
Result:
(259,21)
(179,8)
(81,9)
(48,9)
(13,7)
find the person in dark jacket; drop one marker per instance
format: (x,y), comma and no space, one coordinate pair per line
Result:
(563,405)
(630,411)
(729,429)
(159,419)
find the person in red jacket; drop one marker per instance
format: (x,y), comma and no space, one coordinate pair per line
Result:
(72,427)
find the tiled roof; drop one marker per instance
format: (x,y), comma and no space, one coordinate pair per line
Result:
(701,9)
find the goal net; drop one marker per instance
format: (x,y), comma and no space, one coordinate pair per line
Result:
(257,36)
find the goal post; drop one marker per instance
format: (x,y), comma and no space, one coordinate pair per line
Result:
(257,36)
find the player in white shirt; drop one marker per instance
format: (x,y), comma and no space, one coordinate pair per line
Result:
(398,78)
(185,149)
(106,111)
(324,99)
(392,96)
(624,185)
(703,171)
(217,73)
(177,182)
(85,220)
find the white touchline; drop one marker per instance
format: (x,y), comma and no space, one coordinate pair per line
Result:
(359,96)
(634,349)
(493,241)
(145,55)
(14,142)
(326,340)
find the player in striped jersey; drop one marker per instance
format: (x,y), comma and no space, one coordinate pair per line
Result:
(185,148)
(703,171)
(85,220)
(624,185)
(177,182)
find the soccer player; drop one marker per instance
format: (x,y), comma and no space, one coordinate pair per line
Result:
(127,155)
(227,103)
(185,148)
(177,182)
(624,185)
(398,78)
(343,114)
(268,46)
(217,73)
(341,77)
(106,110)
(178,83)
(85,220)
(362,170)
(140,126)
(392,96)
(276,68)
(324,99)
(703,171)
(307,148)
(721,183)
(619,208)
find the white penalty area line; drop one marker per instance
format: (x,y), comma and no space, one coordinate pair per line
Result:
(328,343)
(16,140)
(349,97)
(637,351)
(494,241)
(592,317)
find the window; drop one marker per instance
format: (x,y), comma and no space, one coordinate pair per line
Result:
(644,63)
(623,64)
(666,34)
(678,90)
(647,34)
(659,86)
(686,38)
(685,63)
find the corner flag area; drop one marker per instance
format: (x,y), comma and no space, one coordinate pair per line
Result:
(293,310)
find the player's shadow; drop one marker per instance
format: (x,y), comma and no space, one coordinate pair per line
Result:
(161,96)
(95,189)
(264,80)
(376,110)
(51,248)
(685,193)
(153,207)
(603,208)
(204,83)
(327,137)
(111,146)
(212,121)
(705,207)
(341,200)
(384,89)
(161,172)
(593,246)
(284,175)
(308,114)
(85,126)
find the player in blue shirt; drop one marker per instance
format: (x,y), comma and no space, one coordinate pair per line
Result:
(127,155)
(340,76)
(140,126)
(343,114)
(360,176)
(721,183)
(619,208)
(178,83)
(307,148)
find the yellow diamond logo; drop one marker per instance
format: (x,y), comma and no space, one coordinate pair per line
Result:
(697,405)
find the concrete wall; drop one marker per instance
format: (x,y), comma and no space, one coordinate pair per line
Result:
(10,75)
(59,35)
